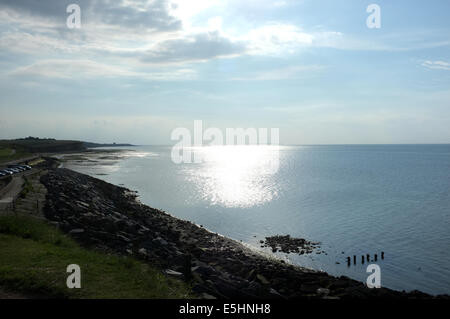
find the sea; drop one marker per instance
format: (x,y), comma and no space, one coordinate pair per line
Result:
(356,200)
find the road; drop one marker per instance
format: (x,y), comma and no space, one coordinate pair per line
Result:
(12,190)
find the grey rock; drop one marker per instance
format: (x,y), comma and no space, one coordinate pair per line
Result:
(323,291)
(76,231)
(203,270)
(262,279)
(143,252)
(174,273)
(309,288)
(161,241)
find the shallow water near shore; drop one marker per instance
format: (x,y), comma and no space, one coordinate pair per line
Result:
(354,199)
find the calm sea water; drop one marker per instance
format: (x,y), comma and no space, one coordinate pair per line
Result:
(355,200)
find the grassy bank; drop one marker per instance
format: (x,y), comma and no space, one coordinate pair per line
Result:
(42,145)
(34,257)
(8,154)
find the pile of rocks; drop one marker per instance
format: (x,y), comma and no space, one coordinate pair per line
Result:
(287,244)
(106,216)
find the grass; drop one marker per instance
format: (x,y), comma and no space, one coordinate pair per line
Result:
(34,257)
(27,188)
(8,154)
(37,145)
(5,152)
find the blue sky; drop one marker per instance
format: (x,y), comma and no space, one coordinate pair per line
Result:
(136,70)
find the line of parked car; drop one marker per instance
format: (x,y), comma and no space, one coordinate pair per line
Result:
(14,169)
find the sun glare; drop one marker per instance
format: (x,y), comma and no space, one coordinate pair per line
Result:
(236,176)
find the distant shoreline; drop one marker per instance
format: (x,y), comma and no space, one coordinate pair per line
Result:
(96,145)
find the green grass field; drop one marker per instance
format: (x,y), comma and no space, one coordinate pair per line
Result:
(34,257)
(9,154)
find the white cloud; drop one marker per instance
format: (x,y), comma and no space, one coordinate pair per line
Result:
(215,23)
(118,38)
(76,69)
(157,32)
(186,10)
(194,48)
(276,39)
(292,72)
(437,65)
(154,32)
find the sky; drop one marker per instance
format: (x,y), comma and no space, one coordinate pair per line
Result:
(136,70)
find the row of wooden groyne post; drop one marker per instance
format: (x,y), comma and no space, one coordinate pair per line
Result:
(364,258)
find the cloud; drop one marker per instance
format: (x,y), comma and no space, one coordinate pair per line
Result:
(110,28)
(276,38)
(82,69)
(186,10)
(198,47)
(292,72)
(150,32)
(134,32)
(142,14)
(437,65)
(119,37)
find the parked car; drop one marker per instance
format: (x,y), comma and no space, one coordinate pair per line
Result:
(7,172)
(2,174)
(12,170)
(20,168)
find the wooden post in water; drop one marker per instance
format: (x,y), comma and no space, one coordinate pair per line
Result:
(354,259)
(362,259)
(382,255)
(348,261)
(376,257)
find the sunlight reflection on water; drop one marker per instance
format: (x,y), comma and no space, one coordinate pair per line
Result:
(235,176)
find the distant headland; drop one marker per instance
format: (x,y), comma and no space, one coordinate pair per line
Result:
(22,147)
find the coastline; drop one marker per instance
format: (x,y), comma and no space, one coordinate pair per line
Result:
(108,217)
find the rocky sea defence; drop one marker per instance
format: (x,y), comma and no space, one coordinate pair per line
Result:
(108,217)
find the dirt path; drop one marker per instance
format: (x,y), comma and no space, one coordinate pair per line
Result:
(34,201)
(10,192)
(13,188)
